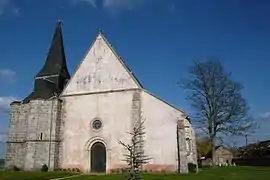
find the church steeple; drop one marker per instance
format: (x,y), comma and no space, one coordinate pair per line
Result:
(54,74)
(55,63)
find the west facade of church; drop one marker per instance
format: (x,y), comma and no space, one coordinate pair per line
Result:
(77,122)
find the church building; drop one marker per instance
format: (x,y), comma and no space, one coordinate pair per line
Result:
(77,121)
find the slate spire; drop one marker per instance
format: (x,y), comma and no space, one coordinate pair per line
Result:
(55,63)
(54,74)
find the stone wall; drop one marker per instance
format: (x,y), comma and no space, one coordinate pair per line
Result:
(193,156)
(15,149)
(15,153)
(182,149)
(136,118)
(34,134)
(191,142)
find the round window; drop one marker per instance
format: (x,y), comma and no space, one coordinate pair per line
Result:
(96,124)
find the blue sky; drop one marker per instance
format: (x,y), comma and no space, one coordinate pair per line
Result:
(158,39)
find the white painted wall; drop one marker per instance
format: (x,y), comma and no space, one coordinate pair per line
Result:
(114,109)
(160,123)
(100,70)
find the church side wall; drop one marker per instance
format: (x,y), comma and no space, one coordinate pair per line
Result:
(15,149)
(114,110)
(42,140)
(26,148)
(161,134)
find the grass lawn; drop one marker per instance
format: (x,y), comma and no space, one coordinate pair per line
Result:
(223,173)
(11,175)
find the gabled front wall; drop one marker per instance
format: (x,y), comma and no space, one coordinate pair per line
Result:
(101,70)
(161,138)
(114,110)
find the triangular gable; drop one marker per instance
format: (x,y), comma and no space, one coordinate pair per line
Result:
(101,70)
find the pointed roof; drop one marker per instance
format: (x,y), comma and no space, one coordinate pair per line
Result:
(55,63)
(53,76)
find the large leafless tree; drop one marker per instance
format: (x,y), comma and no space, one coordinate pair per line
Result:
(216,99)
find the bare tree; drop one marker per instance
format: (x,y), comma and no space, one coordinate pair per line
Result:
(135,157)
(217,101)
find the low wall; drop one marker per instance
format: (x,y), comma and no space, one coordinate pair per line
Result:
(255,161)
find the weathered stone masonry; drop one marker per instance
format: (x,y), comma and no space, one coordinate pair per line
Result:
(34,134)
(182,150)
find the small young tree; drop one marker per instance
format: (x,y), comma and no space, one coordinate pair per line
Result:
(217,101)
(135,157)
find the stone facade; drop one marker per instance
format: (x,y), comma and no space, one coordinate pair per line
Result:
(33,138)
(102,88)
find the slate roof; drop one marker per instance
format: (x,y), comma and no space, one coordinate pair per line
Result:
(55,63)
(54,74)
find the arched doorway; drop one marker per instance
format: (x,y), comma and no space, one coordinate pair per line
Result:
(98,157)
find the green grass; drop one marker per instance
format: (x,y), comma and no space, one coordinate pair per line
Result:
(223,173)
(11,175)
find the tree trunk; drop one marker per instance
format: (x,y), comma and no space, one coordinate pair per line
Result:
(213,148)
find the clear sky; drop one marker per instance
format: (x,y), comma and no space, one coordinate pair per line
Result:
(158,39)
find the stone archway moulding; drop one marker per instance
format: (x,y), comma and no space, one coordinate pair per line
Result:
(87,150)
(93,140)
